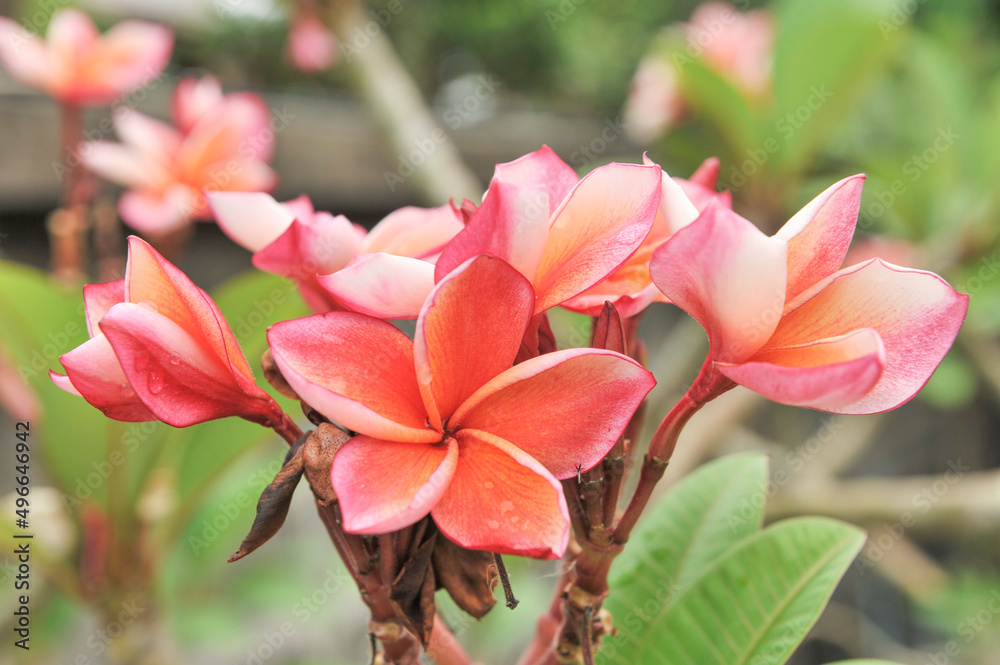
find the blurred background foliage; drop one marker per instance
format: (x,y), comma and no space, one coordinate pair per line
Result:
(914,102)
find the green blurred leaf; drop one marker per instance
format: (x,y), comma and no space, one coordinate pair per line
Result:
(953,383)
(826,53)
(865,661)
(714,508)
(714,98)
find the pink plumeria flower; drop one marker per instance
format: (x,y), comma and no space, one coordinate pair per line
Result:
(630,288)
(783,321)
(293,240)
(77,65)
(160,349)
(562,233)
(655,103)
(447,426)
(221,142)
(739,46)
(312,47)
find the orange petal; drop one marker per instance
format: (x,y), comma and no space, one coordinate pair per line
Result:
(383,486)
(469,331)
(355,370)
(597,228)
(412,231)
(542,167)
(502,500)
(915,313)
(565,409)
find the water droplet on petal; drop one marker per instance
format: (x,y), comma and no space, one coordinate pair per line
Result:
(155,380)
(126,390)
(488,485)
(175,359)
(506,506)
(493,524)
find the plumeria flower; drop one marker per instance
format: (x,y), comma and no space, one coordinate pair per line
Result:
(160,349)
(783,321)
(446,426)
(76,65)
(221,142)
(630,288)
(312,47)
(294,240)
(562,233)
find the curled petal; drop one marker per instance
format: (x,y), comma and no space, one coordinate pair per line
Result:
(94,373)
(384,486)
(829,374)
(566,409)
(502,500)
(469,331)
(542,167)
(819,235)
(253,220)
(729,276)
(598,226)
(322,245)
(356,371)
(915,313)
(174,375)
(98,299)
(382,285)
(412,231)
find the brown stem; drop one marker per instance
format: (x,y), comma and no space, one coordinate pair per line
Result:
(68,224)
(444,648)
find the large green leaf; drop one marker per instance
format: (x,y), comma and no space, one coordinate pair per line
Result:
(714,508)
(826,54)
(716,99)
(864,661)
(755,605)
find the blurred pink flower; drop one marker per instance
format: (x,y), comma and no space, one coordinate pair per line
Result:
(313,248)
(311,46)
(76,65)
(737,46)
(222,142)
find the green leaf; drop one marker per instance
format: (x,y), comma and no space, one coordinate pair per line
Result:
(714,508)
(865,661)
(755,605)
(717,100)
(41,321)
(826,53)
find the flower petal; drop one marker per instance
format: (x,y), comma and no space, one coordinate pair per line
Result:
(502,500)
(355,370)
(828,374)
(382,285)
(322,245)
(94,373)
(565,409)
(512,224)
(383,486)
(916,314)
(469,331)
(729,276)
(25,56)
(174,374)
(819,235)
(193,97)
(542,167)
(98,299)
(158,214)
(253,220)
(598,226)
(129,55)
(412,231)
(150,277)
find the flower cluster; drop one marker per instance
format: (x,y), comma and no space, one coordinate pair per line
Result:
(477,419)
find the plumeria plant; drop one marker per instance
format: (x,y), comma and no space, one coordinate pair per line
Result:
(431,458)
